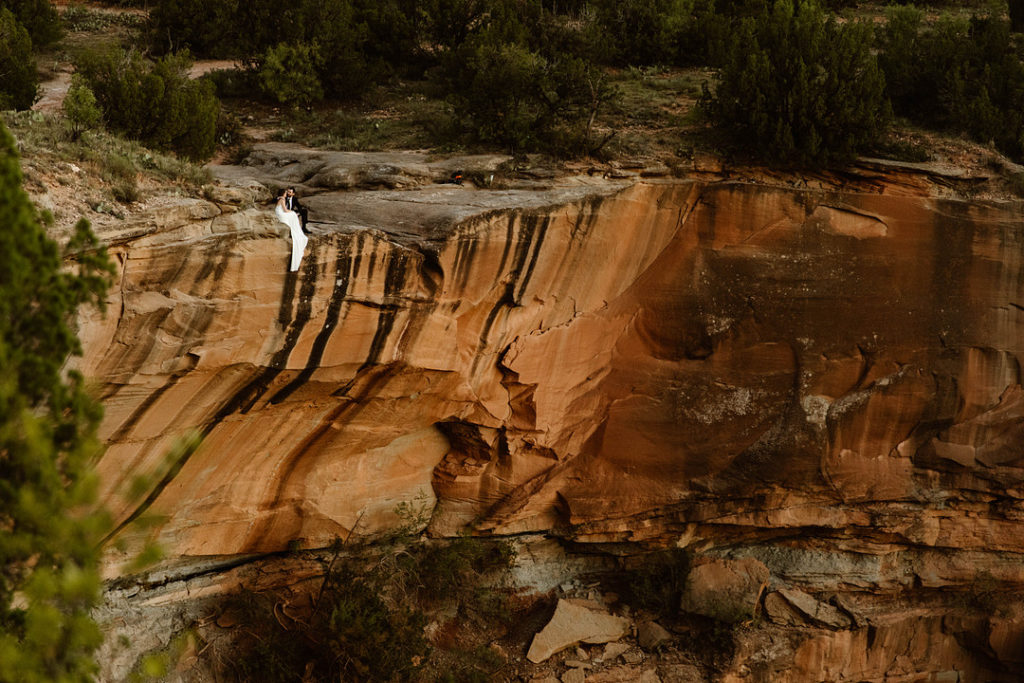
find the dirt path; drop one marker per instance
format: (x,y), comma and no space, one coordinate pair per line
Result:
(52,91)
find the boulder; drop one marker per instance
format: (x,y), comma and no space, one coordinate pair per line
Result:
(726,590)
(651,635)
(574,623)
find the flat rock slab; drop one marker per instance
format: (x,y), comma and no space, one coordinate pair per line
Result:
(574,623)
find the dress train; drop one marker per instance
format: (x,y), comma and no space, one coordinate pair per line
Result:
(299,239)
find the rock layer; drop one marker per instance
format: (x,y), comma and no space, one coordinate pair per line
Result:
(826,382)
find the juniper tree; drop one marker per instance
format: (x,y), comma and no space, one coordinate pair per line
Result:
(18,80)
(798,87)
(48,544)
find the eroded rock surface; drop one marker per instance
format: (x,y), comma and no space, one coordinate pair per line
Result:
(825,382)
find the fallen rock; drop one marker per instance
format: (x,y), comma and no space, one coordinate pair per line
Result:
(574,676)
(574,623)
(792,607)
(625,674)
(727,590)
(651,635)
(680,673)
(613,650)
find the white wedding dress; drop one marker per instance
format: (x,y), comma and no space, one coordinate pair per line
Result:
(299,239)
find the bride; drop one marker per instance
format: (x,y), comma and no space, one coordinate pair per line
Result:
(291,219)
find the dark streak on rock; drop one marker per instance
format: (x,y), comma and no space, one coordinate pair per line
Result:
(346,410)
(508,298)
(343,272)
(243,400)
(539,228)
(393,281)
(141,410)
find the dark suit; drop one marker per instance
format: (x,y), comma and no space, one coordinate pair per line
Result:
(292,203)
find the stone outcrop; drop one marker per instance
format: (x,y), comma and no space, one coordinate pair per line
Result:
(824,382)
(575,622)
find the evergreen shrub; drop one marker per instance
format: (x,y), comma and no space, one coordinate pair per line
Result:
(40,19)
(80,107)
(154,102)
(19,84)
(796,87)
(965,75)
(49,578)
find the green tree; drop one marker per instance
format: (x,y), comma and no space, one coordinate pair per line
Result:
(19,83)
(39,18)
(48,549)
(154,102)
(289,74)
(80,107)
(202,27)
(641,32)
(517,97)
(962,74)
(797,87)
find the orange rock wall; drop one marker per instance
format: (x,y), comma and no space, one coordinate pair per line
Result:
(827,382)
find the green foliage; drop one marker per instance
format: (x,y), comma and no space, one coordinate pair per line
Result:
(367,621)
(204,28)
(80,107)
(48,556)
(154,102)
(960,74)
(797,87)
(39,17)
(289,74)
(643,31)
(515,96)
(19,83)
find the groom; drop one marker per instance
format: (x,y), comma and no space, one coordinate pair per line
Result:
(291,202)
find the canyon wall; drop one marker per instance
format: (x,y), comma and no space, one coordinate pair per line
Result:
(821,384)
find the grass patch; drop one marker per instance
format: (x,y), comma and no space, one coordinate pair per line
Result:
(44,137)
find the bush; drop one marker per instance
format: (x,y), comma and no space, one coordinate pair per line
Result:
(643,32)
(798,88)
(289,74)
(204,28)
(367,621)
(517,97)
(154,102)
(80,107)
(20,84)
(39,18)
(964,75)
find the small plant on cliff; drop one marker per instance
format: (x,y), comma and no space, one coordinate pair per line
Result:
(797,87)
(48,548)
(367,620)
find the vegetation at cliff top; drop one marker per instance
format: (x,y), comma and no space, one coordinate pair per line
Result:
(48,551)
(574,78)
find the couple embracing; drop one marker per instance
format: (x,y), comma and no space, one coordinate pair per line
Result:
(290,212)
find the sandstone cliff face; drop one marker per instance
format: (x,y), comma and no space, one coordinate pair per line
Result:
(825,383)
